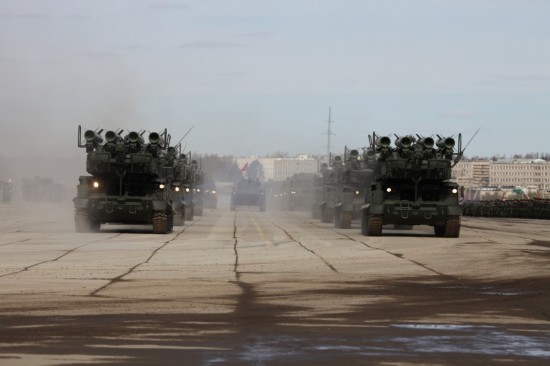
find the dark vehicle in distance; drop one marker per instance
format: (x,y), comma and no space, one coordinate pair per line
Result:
(248,192)
(298,192)
(6,190)
(210,194)
(42,189)
(129,181)
(411,184)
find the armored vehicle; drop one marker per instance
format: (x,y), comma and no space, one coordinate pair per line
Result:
(318,193)
(327,195)
(176,170)
(248,192)
(210,195)
(299,192)
(411,184)
(349,193)
(6,190)
(344,189)
(129,181)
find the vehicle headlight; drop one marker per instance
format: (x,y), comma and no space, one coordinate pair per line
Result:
(177,189)
(187,189)
(213,192)
(161,186)
(388,189)
(198,189)
(357,193)
(454,190)
(96,184)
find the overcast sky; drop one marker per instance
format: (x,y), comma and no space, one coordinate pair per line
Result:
(254,77)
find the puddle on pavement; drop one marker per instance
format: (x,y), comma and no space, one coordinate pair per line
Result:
(408,339)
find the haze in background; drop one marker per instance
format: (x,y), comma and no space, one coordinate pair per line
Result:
(257,77)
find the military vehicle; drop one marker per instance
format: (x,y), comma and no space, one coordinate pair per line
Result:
(129,181)
(6,190)
(176,170)
(331,177)
(248,192)
(42,189)
(192,202)
(349,193)
(343,189)
(198,191)
(411,184)
(318,192)
(298,192)
(210,194)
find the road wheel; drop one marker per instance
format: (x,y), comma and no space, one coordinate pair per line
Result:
(82,222)
(452,227)
(374,225)
(160,222)
(345,219)
(439,230)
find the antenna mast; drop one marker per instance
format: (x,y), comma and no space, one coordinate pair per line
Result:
(329,132)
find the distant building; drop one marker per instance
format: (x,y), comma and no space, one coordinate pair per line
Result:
(278,169)
(504,173)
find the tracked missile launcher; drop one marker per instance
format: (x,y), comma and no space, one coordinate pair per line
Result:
(411,184)
(129,182)
(248,192)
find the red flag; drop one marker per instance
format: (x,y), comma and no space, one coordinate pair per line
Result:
(244,168)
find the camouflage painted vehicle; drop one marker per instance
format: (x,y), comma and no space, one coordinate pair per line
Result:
(129,181)
(411,185)
(6,190)
(298,192)
(248,192)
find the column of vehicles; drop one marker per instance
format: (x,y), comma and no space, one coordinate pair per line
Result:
(6,190)
(138,182)
(397,186)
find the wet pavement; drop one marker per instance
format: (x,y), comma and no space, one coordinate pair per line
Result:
(255,288)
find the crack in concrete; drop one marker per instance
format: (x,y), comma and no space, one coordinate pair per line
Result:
(332,268)
(55,259)
(120,277)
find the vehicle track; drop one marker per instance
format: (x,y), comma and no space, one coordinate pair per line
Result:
(57,258)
